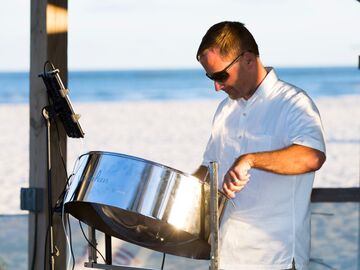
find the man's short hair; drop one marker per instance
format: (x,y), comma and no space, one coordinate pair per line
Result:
(230,38)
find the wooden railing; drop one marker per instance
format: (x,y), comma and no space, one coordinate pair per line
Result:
(319,195)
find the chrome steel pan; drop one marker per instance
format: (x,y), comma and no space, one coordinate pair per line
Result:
(142,202)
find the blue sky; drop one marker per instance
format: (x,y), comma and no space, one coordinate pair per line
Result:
(148,34)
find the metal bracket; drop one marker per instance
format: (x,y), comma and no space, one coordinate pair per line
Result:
(31,199)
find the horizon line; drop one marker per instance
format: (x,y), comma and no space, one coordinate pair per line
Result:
(181,68)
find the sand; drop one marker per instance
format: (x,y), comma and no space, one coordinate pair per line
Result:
(173,133)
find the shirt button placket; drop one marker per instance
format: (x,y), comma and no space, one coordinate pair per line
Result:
(243,121)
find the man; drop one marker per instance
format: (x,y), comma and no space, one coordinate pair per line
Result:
(267,137)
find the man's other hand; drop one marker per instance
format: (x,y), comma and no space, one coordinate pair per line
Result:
(237,177)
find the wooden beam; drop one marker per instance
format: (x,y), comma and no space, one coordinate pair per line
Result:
(320,195)
(48,42)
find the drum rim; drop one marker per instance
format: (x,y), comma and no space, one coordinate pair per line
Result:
(141,160)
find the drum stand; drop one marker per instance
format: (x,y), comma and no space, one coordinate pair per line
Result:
(214,216)
(214,233)
(92,263)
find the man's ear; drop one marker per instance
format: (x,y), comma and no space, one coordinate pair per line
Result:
(249,57)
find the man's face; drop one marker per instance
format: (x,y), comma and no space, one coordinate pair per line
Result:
(236,85)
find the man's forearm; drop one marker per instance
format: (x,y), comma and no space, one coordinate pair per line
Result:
(295,159)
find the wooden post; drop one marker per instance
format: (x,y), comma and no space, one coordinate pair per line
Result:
(48,42)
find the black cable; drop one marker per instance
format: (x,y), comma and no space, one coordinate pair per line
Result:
(35,243)
(91,244)
(163,261)
(57,131)
(61,196)
(58,139)
(61,155)
(60,200)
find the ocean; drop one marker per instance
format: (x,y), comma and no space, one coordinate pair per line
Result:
(335,226)
(187,84)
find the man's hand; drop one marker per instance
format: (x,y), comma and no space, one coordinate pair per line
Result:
(237,177)
(291,160)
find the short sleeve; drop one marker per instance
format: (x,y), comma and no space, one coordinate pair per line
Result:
(210,150)
(210,153)
(304,123)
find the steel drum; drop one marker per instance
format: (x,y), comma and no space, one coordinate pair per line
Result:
(143,202)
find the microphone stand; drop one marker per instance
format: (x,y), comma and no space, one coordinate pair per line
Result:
(61,108)
(48,113)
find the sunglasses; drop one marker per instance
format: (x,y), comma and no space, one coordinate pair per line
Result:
(223,75)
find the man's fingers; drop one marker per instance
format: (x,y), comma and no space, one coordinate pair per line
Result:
(233,177)
(236,178)
(243,175)
(238,181)
(228,192)
(230,188)
(234,183)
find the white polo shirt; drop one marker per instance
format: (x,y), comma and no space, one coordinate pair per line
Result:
(270,223)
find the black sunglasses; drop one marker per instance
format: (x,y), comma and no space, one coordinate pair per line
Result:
(223,75)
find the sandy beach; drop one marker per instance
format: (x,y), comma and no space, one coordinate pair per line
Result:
(173,133)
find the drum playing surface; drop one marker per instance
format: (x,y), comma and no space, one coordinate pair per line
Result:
(142,202)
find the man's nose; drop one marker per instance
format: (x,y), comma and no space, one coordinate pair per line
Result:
(218,86)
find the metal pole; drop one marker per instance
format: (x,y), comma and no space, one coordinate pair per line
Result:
(46,115)
(92,256)
(108,250)
(214,216)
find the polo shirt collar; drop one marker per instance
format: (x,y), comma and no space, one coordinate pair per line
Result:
(266,86)
(264,89)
